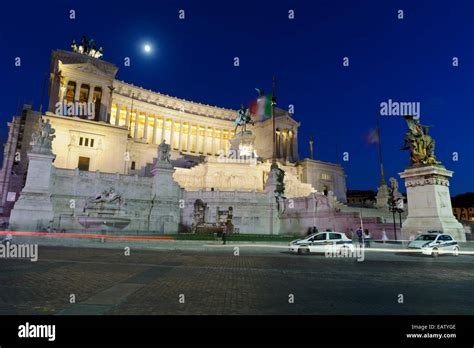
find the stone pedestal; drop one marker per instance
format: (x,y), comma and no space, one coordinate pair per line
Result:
(429,202)
(33,210)
(243,144)
(270,188)
(166,209)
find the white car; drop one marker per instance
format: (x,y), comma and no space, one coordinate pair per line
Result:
(321,242)
(435,244)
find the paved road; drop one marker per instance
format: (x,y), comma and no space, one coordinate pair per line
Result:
(215,281)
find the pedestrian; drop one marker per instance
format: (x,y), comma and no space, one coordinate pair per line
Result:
(367,238)
(310,231)
(359,235)
(384,236)
(224,233)
(315,230)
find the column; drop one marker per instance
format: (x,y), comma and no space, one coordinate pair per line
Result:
(226,142)
(288,147)
(135,133)
(145,130)
(117,115)
(77,91)
(180,135)
(163,128)
(198,138)
(127,119)
(89,102)
(172,133)
(188,144)
(206,141)
(221,142)
(62,90)
(281,143)
(155,128)
(213,152)
(295,146)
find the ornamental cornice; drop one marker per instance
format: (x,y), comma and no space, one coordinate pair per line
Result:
(170,102)
(426,180)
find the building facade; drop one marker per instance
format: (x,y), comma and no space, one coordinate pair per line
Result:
(109,126)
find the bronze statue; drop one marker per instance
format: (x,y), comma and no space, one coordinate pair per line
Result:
(87,47)
(280,185)
(419,142)
(243,118)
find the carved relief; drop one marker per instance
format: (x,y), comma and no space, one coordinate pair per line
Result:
(430,180)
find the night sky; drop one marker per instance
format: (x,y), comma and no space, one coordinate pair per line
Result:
(403,60)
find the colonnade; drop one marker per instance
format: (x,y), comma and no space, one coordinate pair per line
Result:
(182,134)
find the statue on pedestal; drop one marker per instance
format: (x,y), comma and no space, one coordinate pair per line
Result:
(243,118)
(420,143)
(42,140)
(280,186)
(164,153)
(88,47)
(395,197)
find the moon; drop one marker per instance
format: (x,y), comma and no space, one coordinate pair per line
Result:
(147,48)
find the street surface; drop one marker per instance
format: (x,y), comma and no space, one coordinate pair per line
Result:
(261,280)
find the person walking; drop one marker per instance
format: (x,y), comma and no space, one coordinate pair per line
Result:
(359,235)
(384,236)
(224,233)
(367,238)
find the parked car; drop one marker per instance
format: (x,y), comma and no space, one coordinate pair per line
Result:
(435,244)
(321,242)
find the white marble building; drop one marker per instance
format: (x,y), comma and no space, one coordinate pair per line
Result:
(109,130)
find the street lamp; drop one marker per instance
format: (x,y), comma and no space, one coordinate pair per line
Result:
(393,208)
(400,210)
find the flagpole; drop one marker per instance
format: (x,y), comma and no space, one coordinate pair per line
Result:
(382,174)
(274,164)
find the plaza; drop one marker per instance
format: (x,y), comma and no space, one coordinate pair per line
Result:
(216,282)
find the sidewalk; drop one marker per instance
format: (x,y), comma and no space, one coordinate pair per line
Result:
(177,245)
(152,244)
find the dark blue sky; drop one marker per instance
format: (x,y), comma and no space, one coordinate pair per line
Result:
(402,60)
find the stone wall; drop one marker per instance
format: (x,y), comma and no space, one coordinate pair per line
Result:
(61,199)
(253,212)
(72,188)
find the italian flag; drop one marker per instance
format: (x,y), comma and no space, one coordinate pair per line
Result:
(261,107)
